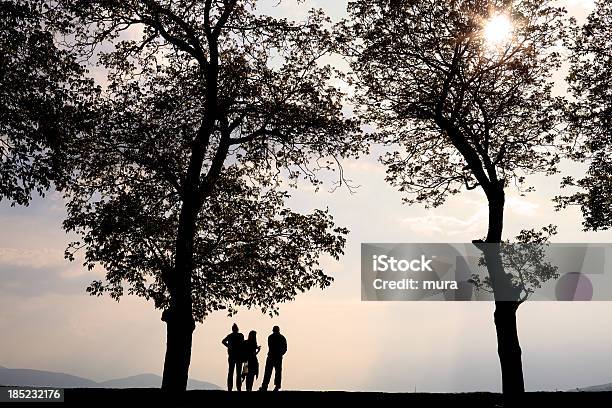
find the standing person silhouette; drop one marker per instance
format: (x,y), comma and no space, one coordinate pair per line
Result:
(234,343)
(277,347)
(251,349)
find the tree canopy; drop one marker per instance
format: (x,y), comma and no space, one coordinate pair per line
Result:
(257,79)
(44,98)
(208,105)
(461,110)
(250,250)
(589,115)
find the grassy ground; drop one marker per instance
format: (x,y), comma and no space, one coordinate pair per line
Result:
(291,399)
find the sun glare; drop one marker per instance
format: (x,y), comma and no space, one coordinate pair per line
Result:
(498,30)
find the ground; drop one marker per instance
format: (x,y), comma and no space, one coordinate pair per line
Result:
(153,397)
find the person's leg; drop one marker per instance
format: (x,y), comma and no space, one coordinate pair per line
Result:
(239,375)
(278,373)
(249,381)
(230,373)
(267,374)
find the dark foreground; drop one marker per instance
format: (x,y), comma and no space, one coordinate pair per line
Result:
(292,399)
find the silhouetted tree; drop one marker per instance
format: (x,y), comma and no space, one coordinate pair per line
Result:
(42,99)
(192,88)
(462,110)
(590,117)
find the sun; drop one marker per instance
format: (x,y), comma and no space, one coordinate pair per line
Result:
(498,30)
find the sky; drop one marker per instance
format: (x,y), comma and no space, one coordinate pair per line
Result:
(336,342)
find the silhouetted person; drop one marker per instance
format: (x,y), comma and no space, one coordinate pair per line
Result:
(234,343)
(251,349)
(277,347)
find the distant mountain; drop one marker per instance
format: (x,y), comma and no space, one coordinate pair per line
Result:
(596,388)
(39,378)
(152,381)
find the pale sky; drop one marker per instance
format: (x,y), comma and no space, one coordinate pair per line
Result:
(336,342)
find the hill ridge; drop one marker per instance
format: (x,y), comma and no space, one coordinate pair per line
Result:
(34,377)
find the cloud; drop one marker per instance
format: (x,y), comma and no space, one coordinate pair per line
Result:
(475,220)
(43,257)
(35,273)
(433,224)
(521,206)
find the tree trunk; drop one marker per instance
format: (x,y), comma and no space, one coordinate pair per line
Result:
(508,346)
(509,351)
(179,332)
(179,316)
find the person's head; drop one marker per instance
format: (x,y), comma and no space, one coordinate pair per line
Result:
(253,336)
(234,328)
(276,329)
